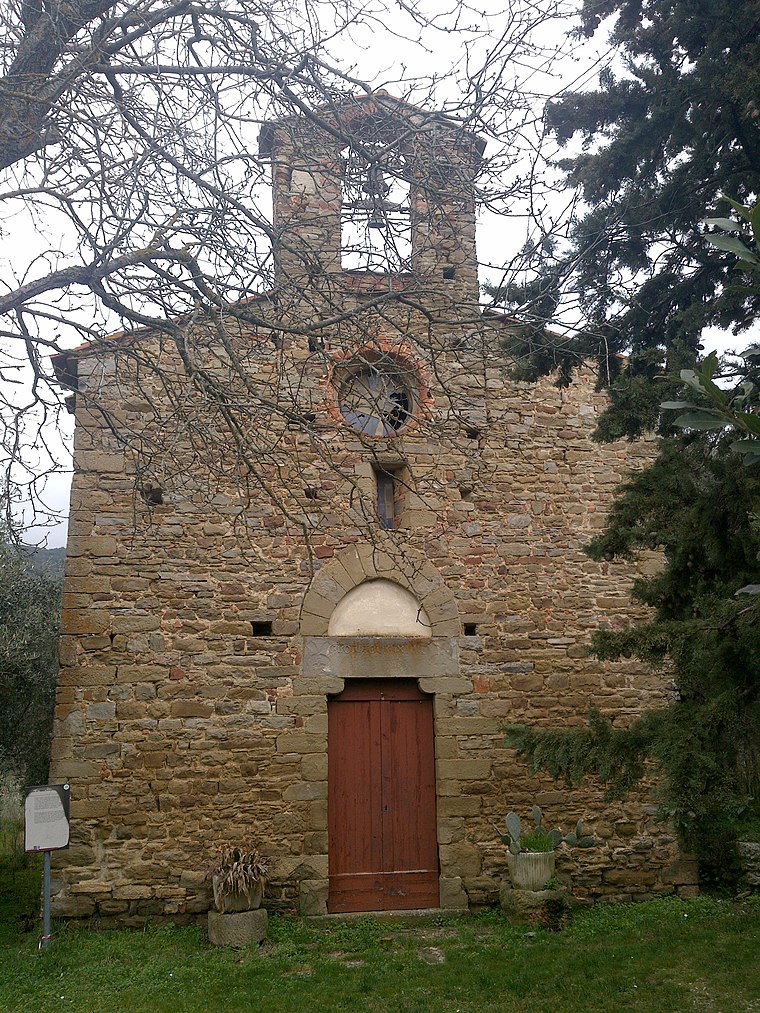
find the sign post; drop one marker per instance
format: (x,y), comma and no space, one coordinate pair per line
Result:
(46,829)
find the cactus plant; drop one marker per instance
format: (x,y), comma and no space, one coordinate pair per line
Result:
(538,838)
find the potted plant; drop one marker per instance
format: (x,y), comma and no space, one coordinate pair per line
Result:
(530,856)
(238,877)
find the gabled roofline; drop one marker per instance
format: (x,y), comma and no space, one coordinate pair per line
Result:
(352,107)
(65,362)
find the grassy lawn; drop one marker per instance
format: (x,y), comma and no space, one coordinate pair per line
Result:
(664,955)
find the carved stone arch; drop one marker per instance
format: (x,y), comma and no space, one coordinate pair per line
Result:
(362,563)
(361,654)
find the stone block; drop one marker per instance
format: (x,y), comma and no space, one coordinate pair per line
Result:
(70,906)
(458,806)
(361,657)
(192,879)
(87,809)
(317,819)
(684,872)
(136,892)
(73,770)
(112,907)
(91,545)
(92,886)
(450,830)
(464,770)
(134,623)
(191,709)
(312,896)
(141,673)
(453,896)
(301,742)
(245,928)
(314,767)
(687,892)
(315,842)
(101,711)
(89,621)
(460,859)
(446,747)
(452,686)
(749,857)
(313,626)
(308,791)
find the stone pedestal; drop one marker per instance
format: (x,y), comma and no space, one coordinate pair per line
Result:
(749,856)
(548,908)
(246,928)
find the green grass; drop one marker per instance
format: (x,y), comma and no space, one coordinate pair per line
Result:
(663,955)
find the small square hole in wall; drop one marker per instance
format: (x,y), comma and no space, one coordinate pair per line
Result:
(152,494)
(473,433)
(261,629)
(470,629)
(449,273)
(305,419)
(310,492)
(465,492)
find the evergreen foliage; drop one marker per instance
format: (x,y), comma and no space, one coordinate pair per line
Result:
(665,137)
(664,140)
(30,602)
(705,746)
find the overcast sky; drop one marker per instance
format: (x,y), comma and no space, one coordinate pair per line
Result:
(382,58)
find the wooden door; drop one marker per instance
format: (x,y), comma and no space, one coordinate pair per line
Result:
(383,851)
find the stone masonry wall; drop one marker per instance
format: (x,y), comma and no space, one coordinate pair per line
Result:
(182,720)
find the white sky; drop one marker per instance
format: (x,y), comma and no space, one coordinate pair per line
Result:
(380,60)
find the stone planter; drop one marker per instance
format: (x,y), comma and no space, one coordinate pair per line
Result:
(531,870)
(233,903)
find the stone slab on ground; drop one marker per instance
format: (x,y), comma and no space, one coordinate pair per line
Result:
(245,928)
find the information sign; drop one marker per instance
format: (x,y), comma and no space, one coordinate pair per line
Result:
(46,817)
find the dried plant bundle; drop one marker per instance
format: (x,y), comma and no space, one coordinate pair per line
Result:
(237,869)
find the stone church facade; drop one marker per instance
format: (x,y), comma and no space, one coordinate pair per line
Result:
(304,615)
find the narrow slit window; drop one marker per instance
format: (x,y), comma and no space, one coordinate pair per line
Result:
(387,497)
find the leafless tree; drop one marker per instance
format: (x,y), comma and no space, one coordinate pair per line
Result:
(134,195)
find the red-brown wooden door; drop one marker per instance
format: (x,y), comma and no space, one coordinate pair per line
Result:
(383,851)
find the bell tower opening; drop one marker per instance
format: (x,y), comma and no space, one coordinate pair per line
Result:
(376,232)
(374,185)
